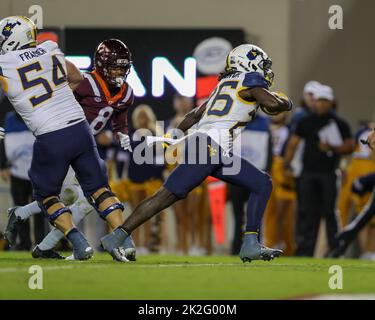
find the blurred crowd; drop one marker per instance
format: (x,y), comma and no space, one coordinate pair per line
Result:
(312,154)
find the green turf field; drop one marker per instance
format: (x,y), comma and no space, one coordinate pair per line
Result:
(170,277)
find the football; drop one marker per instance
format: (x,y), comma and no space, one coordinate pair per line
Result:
(272,112)
(269,112)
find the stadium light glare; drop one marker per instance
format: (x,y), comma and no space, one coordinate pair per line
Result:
(136,83)
(163,68)
(81,62)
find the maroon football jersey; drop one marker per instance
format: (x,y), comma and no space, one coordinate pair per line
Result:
(100,107)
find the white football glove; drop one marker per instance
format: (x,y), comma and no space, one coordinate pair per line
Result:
(124,141)
(2,133)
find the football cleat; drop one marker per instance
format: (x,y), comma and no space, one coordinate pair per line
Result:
(252,250)
(81,248)
(46,254)
(119,245)
(85,254)
(13,224)
(129,249)
(119,254)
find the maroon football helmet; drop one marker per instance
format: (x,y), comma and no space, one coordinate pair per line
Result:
(113,54)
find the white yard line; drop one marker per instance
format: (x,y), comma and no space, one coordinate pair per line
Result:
(100,266)
(47,268)
(84,265)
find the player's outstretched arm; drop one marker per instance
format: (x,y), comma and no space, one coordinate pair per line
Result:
(192,118)
(272,101)
(74,75)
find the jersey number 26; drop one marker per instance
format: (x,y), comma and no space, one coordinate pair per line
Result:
(219,95)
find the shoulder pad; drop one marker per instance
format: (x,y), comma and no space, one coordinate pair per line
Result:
(253,80)
(49,45)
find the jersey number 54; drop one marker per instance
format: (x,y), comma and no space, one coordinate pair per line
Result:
(40,81)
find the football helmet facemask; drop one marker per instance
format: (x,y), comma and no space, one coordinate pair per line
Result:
(110,56)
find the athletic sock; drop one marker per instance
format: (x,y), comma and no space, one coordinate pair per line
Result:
(51,240)
(28,210)
(256,205)
(77,239)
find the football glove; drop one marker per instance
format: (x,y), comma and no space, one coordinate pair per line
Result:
(124,141)
(2,133)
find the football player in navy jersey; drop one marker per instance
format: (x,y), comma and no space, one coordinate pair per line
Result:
(242,89)
(105,97)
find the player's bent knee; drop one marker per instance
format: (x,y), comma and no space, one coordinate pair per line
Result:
(105,202)
(52,207)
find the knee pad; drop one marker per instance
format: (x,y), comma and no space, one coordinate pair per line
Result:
(53,216)
(105,195)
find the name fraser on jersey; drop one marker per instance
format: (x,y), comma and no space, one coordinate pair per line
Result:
(28,55)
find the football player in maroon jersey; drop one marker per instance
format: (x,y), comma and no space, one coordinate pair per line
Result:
(105,97)
(104,94)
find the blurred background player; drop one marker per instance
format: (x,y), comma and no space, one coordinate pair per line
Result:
(105,97)
(145,179)
(327,137)
(359,192)
(249,69)
(361,164)
(15,160)
(361,186)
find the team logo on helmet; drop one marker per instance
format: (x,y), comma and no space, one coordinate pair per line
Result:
(253,54)
(7,30)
